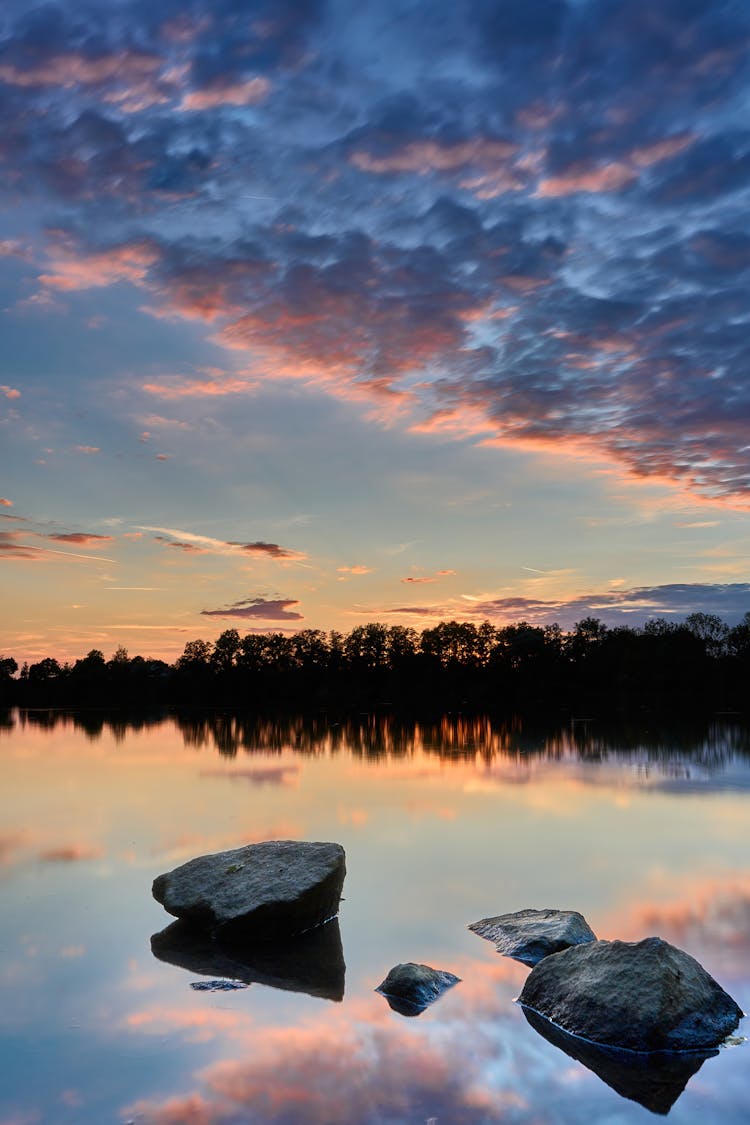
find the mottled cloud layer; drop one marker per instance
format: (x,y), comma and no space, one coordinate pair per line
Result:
(510,224)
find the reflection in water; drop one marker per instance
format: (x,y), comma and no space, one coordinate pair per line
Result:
(707,744)
(311,963)
(643,830)
(654,1080)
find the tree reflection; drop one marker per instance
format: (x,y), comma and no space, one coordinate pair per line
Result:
(456,737)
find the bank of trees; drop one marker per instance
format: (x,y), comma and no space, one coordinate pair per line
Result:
(698,663)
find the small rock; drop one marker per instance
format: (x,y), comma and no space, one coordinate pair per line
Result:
(411,988)
(641,996)
(530,935)
(263,891)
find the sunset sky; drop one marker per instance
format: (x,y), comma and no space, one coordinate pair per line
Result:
(314,313)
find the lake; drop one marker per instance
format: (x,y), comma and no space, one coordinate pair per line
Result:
(644,830)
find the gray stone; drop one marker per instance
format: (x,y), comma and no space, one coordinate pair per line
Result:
(641,996)
(410,988)
(262,892)
(530,935)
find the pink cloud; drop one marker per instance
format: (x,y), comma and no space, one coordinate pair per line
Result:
(617,174)
(70,270)
(602,178)
(87,449)
(425,156)
(76,70)
(249,92)
(657,151)
(9,392)
(79,538)
(12,548)
(5,502)
(354,570)
(200,388)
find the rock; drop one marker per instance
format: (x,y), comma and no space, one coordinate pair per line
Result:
(263,892)
(530,935)
(641,996)
(312,962)
(411,988)
(654,1080)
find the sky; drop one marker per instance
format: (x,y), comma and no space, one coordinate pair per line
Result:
(316,313)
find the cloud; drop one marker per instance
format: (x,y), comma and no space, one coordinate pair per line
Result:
(87,449)
(357,569)
(266,609)
(615,606)
(249,92)
(65,70)
(9,392)
(79,538)
(268,550)
(72,270)
(216,387)
(11,547)
(5,503)
(422,579)
(206,544)
(178,545)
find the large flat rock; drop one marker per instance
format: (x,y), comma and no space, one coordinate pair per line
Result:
(262,892)
(530,935)
(641,996)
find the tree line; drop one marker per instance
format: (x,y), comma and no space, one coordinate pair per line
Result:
(700,662)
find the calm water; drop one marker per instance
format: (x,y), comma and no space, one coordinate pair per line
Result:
(644,832)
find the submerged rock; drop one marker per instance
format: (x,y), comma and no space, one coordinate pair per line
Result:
(266,891)
(654,1080)
(410,988)
(642,996)
(530,935)
(311,963)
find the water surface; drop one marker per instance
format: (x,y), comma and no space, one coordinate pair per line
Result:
(643,830)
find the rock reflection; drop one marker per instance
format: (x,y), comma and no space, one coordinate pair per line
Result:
(654,1080)
(311,963)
